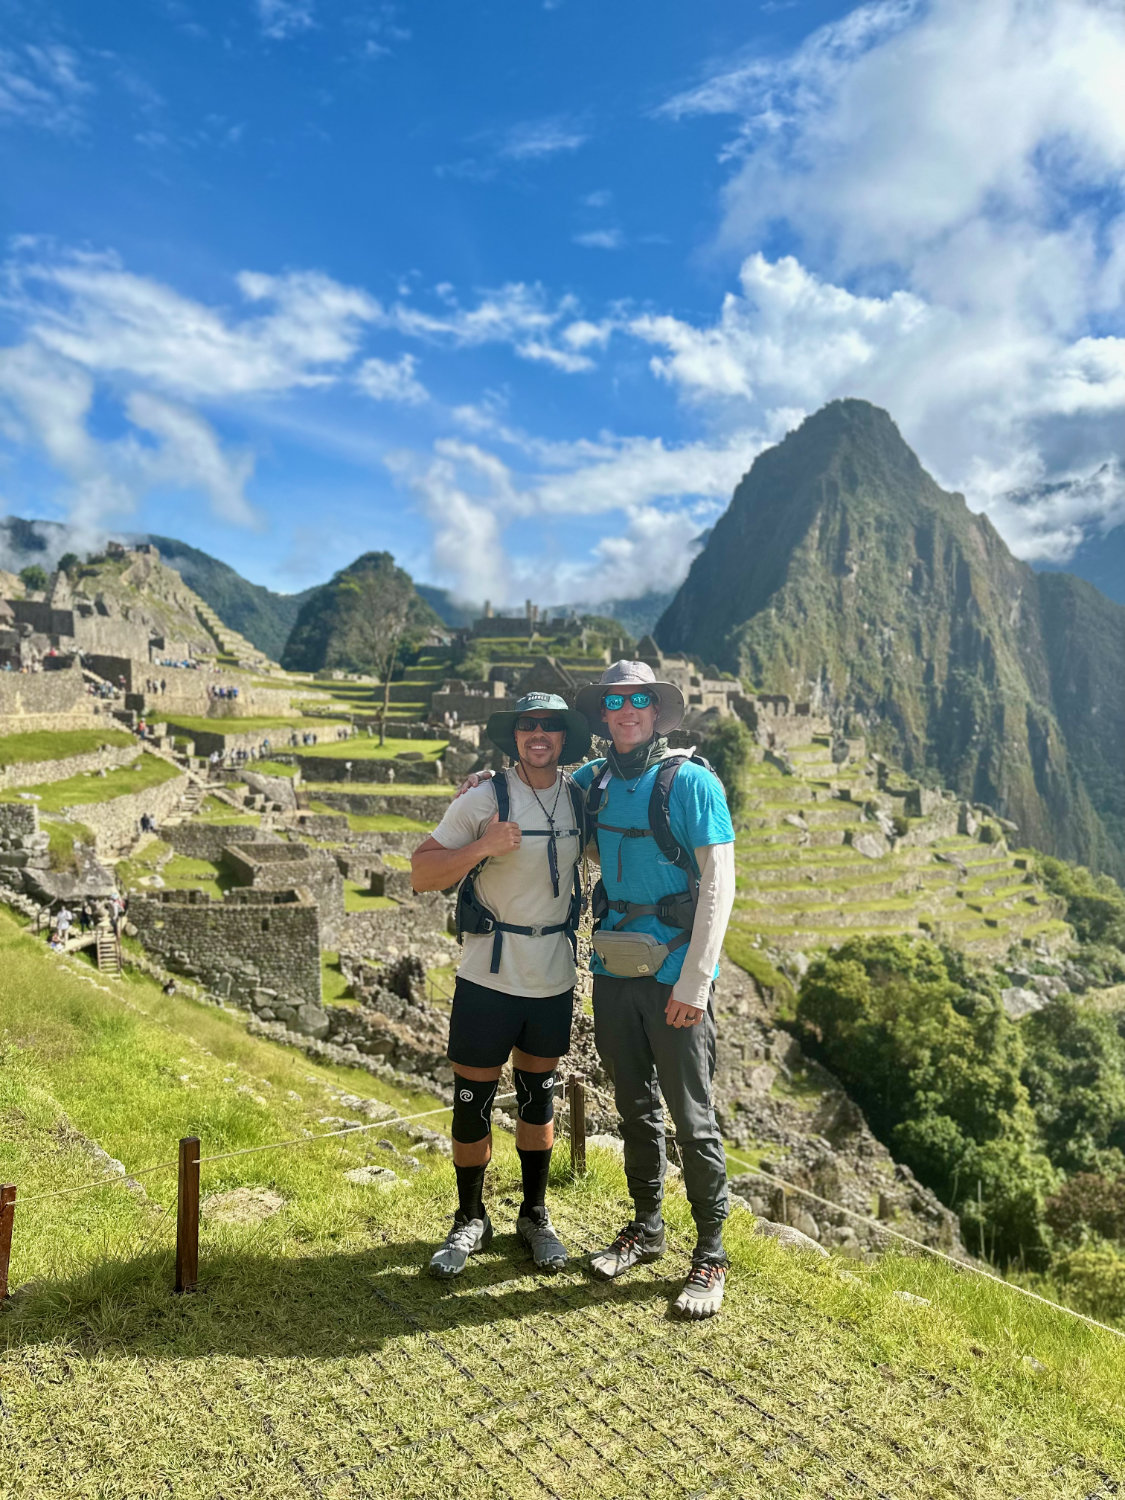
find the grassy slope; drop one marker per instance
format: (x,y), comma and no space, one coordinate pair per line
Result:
(361,747)
(145,773)
(317,1359)
(276,725)
(19,749)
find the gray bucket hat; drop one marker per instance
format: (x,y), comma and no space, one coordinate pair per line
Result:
(622,677)
(501,727)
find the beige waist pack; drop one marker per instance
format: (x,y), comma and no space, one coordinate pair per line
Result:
(630,955)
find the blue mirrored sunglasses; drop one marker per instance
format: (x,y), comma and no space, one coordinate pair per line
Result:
(614,701)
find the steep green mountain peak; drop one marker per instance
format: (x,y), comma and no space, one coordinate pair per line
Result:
(365,613)
(843,574)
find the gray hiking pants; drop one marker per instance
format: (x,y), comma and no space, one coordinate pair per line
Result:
(640,1050)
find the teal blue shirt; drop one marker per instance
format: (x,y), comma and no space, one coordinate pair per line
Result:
(698,816)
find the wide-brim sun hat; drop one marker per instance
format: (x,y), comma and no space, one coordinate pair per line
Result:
(625,677)
(501,727)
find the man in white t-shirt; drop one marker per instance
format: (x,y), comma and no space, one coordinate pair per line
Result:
(514,844)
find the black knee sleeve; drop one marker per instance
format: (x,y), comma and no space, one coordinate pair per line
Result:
(472,1107)
(535,1096)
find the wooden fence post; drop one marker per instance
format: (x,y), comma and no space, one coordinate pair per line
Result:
(187,1216)
(7,1218)
(577,1127)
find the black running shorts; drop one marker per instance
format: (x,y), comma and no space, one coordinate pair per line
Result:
(486,1024)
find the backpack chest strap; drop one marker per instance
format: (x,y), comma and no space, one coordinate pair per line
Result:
(626,833)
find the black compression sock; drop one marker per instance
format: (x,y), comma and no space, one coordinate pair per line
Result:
(535,1167)
(470,1190)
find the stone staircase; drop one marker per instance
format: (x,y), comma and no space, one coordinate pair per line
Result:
(803,883)
(230,643)
(107,949)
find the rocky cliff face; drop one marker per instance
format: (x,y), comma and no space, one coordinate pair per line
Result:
(843,574)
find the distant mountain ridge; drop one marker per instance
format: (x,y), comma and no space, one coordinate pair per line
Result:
(842,573)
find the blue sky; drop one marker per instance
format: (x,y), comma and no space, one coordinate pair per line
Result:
(517,290)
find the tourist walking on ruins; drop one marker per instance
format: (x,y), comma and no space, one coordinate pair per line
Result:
(514,845)
(666,848)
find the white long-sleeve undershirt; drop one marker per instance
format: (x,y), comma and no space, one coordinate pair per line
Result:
(712,913)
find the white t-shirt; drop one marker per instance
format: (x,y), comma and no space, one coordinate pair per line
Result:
(516,887)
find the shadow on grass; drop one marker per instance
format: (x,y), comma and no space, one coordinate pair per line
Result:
(319,1306)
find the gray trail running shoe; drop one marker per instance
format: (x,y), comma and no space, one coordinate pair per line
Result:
(465,1238)
(702,1295)
(631,1247)
(538,1234)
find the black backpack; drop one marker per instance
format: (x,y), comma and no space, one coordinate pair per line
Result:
(472,916)
(677,910)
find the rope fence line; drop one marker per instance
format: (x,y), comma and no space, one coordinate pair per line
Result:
(574,1094)
(905,1239)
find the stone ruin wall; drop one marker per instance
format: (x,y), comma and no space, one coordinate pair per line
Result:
(365,769)
(427,810)
(40,772)
(18,820)
(207,841)
(418,928)
(51,700)
(115,824)
(224,739)
(263,866)
(259,950)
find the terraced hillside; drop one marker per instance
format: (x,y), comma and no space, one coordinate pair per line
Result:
(233,648)
(804,882)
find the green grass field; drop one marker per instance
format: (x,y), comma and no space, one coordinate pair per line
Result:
(146,772)
(362,747)
(358,899)
(276,725)
(373,822)
(317,1358)
(44,744)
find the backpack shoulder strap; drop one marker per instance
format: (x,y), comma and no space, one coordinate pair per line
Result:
(595,791)
(503,795)
(577,805)
(659,819)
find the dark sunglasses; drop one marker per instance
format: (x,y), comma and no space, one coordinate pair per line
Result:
(614,701)
(527,725)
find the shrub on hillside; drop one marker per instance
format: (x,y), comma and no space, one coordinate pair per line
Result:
(1095,904)
(728,749)
(1093,1279)
(920,1038)
(1074,1071)
(1088,1205)
(33,577)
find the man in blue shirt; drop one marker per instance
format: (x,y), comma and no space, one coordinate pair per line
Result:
(656,958)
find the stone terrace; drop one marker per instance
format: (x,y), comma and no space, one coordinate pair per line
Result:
(825,852)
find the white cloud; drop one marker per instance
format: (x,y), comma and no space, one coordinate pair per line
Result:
(950,173)
(43,86)
(788,334)
(386,380)
(600,239)
(45,404)
(280,19)
(517,314)
(533,139)
(107,319)
(190,456)
(655,501)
